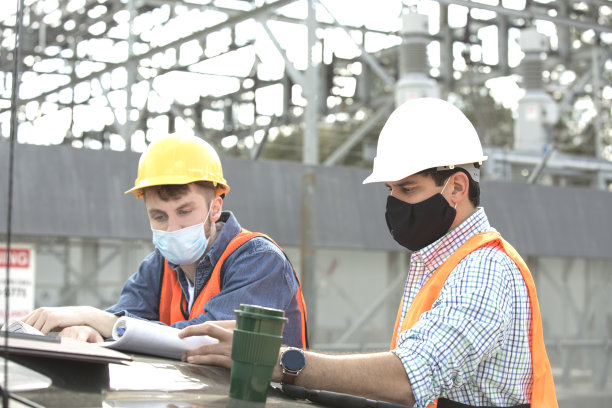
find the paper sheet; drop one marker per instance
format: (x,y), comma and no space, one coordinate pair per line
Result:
(17,326)
(142,336)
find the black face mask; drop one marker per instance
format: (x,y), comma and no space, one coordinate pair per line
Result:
(414,226)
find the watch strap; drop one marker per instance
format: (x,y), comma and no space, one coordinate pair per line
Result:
(288,377)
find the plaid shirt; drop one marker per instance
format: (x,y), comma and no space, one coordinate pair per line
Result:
(473,345)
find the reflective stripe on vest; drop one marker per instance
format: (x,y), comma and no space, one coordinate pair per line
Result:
(543,390)
(173,304)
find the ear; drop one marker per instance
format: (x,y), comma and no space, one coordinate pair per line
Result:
(459,184)
(215,209)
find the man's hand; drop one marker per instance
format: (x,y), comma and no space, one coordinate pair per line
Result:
(47,319)
(82,333)
(219,354)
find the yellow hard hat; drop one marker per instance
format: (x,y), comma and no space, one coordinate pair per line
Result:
(179,160)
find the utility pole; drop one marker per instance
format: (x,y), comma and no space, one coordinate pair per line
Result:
(310,157)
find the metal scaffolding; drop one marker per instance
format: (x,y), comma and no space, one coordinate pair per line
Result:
(116,59)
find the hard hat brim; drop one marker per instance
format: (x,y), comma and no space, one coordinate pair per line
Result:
(397,174)
(138,189)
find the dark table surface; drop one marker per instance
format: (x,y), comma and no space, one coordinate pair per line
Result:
(144,382)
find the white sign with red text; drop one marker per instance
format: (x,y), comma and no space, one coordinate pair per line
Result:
(21,280)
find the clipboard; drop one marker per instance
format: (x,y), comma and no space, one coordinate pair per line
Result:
(70,363)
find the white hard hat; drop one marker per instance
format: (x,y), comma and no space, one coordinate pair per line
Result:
(424,133)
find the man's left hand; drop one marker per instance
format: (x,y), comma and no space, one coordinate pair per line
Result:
(82,333)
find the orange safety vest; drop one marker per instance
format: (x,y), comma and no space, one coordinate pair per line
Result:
(543,391)
(173,304)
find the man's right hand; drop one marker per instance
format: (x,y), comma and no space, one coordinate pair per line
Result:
(47,319)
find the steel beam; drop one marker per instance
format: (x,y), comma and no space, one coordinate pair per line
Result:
(310,152)
(530,15)
(370,60)
(339,154)
(231,21)
(557,161)
(293,72)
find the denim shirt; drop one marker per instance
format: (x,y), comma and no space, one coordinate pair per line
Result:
(257,273)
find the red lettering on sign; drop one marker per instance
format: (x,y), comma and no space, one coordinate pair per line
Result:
(19,258)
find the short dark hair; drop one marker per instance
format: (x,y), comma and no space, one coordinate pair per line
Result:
(440,176)
(169,192)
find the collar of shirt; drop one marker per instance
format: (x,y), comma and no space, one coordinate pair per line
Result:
(436,253)
(230,228)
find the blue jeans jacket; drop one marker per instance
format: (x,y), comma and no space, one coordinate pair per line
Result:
(257,273)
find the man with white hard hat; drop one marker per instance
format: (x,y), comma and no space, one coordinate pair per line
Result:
(468,330)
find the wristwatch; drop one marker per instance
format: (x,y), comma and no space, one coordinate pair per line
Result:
(292,361)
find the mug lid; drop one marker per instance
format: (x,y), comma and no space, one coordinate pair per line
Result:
(261,310)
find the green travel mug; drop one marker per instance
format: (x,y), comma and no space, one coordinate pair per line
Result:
(257,340)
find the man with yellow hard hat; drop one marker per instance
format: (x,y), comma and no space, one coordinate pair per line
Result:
(468,331)
(204,265)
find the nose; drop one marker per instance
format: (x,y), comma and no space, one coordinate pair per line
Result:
(173,224)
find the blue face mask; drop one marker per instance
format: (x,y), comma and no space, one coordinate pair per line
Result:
(184,246)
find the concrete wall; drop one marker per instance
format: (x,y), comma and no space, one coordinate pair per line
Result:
(357,295)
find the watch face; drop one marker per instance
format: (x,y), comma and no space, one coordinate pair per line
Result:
(293,360)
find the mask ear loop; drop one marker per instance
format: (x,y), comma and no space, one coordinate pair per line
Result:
(443,188)
(208,215)
(209,210)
